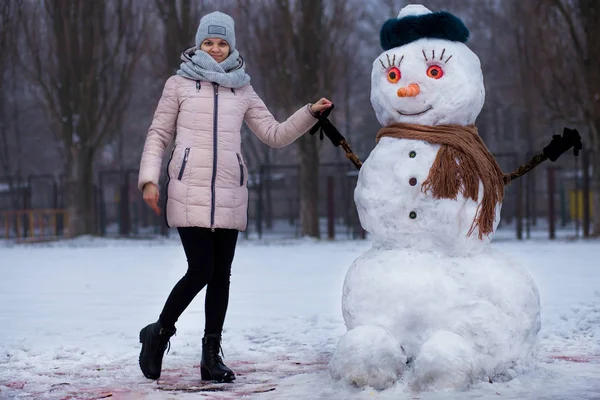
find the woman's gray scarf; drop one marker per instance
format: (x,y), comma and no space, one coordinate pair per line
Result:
(199,65)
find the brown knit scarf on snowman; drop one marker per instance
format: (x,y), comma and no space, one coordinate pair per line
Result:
(461,162)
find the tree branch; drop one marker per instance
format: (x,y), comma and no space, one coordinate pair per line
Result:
(578,47)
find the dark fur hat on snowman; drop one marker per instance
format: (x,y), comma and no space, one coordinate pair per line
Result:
(416,22)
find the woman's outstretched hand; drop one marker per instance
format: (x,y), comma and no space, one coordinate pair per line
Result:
(151,195)
(320,105)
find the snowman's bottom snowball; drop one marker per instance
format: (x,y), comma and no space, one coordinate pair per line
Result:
(368,356)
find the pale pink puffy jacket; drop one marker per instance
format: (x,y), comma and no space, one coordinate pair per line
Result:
(207,174)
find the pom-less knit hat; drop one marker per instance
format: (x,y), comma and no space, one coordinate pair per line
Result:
(219,25)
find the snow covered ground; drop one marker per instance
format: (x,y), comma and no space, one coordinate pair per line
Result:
(70,314)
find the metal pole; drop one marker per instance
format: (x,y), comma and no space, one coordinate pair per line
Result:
(551,184)
(124,220)
(330,208)
(259,184)
(528,207)
(101,205)
(520,210)
(586,193)
(575,196)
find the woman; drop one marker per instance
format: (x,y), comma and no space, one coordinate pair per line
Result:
(207,198)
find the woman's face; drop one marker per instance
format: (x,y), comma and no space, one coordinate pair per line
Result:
(217,48)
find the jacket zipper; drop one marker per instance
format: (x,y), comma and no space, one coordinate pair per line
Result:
(185,158)
(241,169)
(214,174)
(167,189)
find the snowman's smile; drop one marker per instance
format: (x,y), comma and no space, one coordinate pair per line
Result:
(416,113)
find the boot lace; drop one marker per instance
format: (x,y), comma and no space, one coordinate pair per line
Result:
(162,334)
(214,347)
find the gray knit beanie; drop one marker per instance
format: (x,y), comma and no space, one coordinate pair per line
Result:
(216,24)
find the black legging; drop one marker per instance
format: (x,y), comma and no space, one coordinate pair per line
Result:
(209,255)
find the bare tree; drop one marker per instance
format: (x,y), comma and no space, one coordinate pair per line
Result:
(82,55)
(299,49)
(180,19)
(564,63)
(7,44)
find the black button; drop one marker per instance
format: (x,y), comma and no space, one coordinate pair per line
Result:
(412,215)
(412,154)
(412,181)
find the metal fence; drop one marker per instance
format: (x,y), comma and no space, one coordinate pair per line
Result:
(121,208)
(552,200)
(555,199)
(32,208)
(274,201)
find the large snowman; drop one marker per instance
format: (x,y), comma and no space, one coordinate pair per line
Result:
(432,305)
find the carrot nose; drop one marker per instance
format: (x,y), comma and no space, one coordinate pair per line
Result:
(409,91)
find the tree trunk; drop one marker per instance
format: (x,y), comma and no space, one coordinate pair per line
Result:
(309,186)
(595,180)
(595,190)
(179,19)
(80,194)
(268,189)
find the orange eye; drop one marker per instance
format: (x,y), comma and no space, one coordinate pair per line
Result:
(435,72)
(393,75)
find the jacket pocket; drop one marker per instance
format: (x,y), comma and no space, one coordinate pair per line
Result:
(241,169)
(183,164)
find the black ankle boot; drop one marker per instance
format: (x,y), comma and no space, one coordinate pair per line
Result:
(154,339)
(211,366)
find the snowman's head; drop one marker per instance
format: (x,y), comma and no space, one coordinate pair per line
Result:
(426,75)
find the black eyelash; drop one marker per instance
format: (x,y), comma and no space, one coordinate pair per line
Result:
(391,63)
(433,56)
